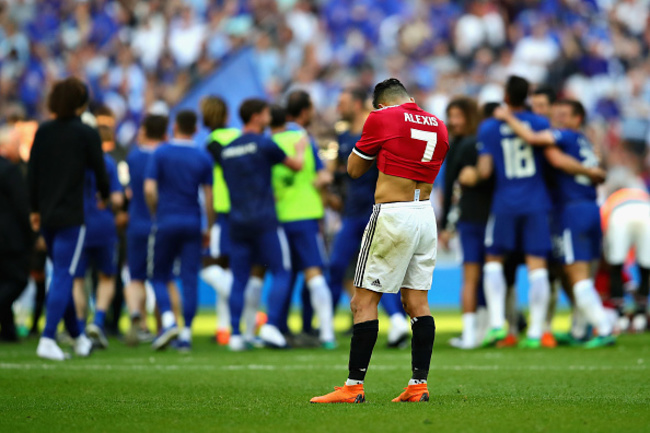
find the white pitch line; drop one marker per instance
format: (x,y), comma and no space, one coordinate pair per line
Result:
(263,367)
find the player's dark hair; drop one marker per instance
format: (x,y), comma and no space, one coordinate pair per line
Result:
(186,122)
(278,116)
(469,108)
(488,109)
(297,102)
(214,112)
(387,90)
(357,94)
(517,91)
(155,126)
(67,96)
(577,109)
(548,92)
(250,107)
(103,110)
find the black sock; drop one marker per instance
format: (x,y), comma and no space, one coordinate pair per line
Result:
(364,337)
(644,285)
(424,333)
(39,302)
(616,285)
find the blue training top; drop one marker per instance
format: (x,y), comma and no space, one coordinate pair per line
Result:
(180,168)
(246,164)
(139,217)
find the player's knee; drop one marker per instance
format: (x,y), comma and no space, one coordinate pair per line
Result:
(360,304)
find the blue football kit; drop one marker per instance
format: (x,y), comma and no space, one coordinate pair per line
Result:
(577,227)
(520,205)
(100,244)
(256,236)
(139,229)
(180,169)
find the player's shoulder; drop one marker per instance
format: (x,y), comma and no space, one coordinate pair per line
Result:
(489,126)
(535,120)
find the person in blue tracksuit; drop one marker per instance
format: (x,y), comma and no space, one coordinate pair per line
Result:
(176,172)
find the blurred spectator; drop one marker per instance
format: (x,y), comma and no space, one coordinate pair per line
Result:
(15,232)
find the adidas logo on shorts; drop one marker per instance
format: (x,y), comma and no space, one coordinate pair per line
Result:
(376,283)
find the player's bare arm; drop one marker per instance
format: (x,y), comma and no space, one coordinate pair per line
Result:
(151,195)
(570,165)
(534,138)
(296,162)
(358,166)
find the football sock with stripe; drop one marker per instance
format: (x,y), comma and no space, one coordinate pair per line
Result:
(539,294)
(364,337)
(252,298)
(495,293)
(321,300)
(588,301)
(424,334)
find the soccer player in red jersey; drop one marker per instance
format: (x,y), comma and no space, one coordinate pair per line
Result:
(398,251)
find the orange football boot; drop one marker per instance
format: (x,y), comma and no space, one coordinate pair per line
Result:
(343,394)
(260,320)
(510,341)
(222,336)
(414,393)
(548,340)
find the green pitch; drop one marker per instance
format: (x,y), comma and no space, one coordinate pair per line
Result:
(137,390)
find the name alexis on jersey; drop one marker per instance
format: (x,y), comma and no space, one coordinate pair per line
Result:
(420,120)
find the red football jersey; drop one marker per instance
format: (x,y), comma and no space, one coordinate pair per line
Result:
(406,140)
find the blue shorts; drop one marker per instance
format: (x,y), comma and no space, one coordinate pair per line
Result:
(172,242)
(137,250)
(528,233)
(104,257)
(220,243)
(306,244)
(268,248)
(577,233)
(472,241)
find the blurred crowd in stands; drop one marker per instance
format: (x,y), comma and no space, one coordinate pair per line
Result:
(135,53)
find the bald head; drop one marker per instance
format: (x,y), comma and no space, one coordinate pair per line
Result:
(9,143)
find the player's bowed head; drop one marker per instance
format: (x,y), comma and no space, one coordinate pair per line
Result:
(389,93)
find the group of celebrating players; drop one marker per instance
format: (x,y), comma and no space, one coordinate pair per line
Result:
(528,182)
(525,180)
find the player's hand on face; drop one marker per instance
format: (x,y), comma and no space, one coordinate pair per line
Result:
(468,177)
(443,239)
(597,175)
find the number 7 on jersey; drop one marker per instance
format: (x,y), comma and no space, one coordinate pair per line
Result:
(430,137)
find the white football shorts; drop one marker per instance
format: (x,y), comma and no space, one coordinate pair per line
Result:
(399,248)
(629,226)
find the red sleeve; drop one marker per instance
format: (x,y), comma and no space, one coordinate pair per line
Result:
(372,138)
